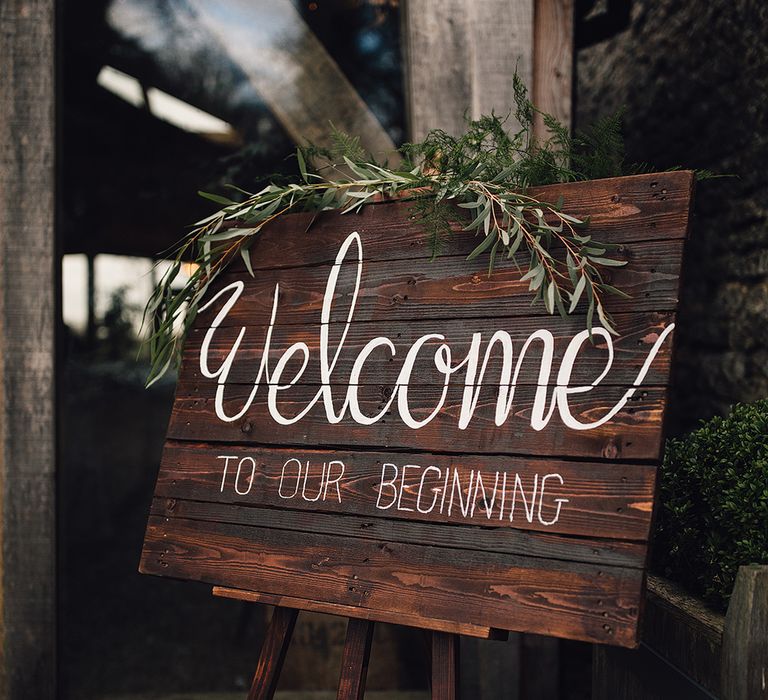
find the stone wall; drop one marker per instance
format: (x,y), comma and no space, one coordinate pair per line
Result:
(693,77)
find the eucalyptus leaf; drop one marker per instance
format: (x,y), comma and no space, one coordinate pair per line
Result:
(486,243)
(514,246)
(216,198)
(608,262)
(302,165)
(576,295)
(492,257)
(549,298)
(245,254)
(613,290)
(227,235)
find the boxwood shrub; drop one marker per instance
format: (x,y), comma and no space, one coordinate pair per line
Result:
(713,514)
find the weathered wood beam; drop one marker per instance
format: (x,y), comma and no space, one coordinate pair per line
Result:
(461,56)
(27,301)
(273,653)
(553,61)
(460,59)
(292,71)
(354,662)
(445,666)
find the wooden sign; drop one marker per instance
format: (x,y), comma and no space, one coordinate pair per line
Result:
(410,440)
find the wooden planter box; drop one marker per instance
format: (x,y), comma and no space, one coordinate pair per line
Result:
(688,651)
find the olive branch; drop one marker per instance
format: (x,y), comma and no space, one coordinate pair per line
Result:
(508,222)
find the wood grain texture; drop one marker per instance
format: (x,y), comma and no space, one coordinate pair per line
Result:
(27,308)
(691,651)
(393,618)
(500,32)
(609,500)
(635,432)
(460,59)
(445,666)
(553,52)
(273,653)
(446,288)
(620,210)
(581,601)
(591,550)
(745,639)
(354,660)
(639,332)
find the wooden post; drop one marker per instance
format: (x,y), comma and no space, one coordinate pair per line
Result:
(445,666)
(27,312)
(460,59)
(354,662)
(273,653)
(552,61)
(461,56)
(744,665)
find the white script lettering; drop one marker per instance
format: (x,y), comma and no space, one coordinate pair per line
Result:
(549,396)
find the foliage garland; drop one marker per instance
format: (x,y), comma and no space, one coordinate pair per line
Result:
(486,171)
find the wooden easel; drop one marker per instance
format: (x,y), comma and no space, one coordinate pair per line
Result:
(444,646)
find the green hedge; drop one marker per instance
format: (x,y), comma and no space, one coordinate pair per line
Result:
(713,513)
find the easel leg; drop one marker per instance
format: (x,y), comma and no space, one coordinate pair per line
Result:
(445,666)
(273,653)
(354,662)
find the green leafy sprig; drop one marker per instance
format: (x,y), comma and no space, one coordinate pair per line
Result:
(486,171)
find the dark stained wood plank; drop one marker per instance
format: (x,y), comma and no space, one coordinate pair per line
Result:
(595,550)
(28,307)
(273,653)
(620,210)
(445,666)
(611,500)
(655,206)
(639,332)
(572,600)
(635,432)
(354,660)
(393,618)
(445,288)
